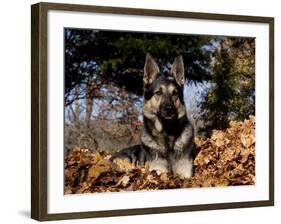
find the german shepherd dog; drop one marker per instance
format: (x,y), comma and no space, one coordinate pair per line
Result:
(167,135)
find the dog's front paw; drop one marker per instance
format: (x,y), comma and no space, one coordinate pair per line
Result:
(183,167)
(159,165)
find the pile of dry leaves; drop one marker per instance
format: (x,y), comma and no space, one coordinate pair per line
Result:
(227,158)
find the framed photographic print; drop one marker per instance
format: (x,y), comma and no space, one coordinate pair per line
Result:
(138,111)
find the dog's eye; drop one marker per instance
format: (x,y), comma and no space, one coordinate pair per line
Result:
(175,93)
(158,93)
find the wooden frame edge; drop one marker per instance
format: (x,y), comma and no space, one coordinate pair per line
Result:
(39,110)
(154,12)
(271,111)
(34,112)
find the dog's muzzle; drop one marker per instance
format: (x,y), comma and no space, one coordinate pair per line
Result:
(168,111)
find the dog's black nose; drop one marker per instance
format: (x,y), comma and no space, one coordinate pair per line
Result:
(169,107)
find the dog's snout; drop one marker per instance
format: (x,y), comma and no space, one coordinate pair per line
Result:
(169,107)
(168,111)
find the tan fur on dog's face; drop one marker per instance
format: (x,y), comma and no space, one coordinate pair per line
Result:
(160,93)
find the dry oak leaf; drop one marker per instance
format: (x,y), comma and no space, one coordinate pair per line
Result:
(68,173)
(123,165)
(95,157)
(247,140)
(218,137)
(123,181)
(164,177)
(84,186)
(98,168)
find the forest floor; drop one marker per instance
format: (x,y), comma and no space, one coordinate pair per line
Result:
(227,158)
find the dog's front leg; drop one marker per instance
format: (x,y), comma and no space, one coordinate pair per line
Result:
(182,157)
(184,141)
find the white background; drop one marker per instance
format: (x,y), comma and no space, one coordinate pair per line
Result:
(15,111)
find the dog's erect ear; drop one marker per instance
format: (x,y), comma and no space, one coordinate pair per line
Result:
(151,70)
(177,70)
